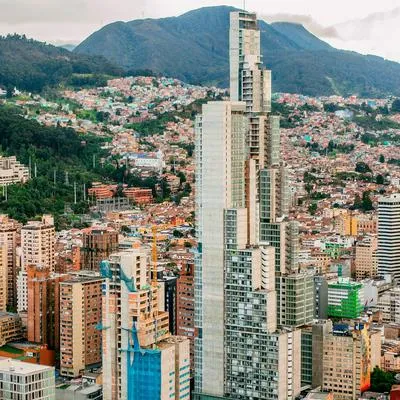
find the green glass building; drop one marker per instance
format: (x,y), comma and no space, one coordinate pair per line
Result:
(345,299)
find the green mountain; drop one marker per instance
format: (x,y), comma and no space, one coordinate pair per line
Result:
(31,65)
(301,36)
(194,47)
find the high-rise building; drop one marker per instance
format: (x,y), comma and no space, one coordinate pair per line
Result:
(366,261)
(295,299)
(8,239)
(243,235)
(389,236)
(38,241)
(43,306)
(320,330)
(98,244)
(25,381)
(347,361)
(140,357)
(80,314)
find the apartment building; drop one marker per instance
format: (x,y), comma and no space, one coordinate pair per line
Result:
(80,315)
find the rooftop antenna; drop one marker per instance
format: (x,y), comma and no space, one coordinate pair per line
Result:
(244,5)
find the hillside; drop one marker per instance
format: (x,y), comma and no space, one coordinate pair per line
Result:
(194,47)
(31,65)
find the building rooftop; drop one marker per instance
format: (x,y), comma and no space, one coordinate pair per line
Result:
(20,367)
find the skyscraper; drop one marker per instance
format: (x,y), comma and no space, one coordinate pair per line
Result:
(241,204)
(389,236)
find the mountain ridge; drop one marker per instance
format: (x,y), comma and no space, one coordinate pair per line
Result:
(194,47)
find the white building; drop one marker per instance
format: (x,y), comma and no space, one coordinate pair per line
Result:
(22,291)
(26,381)
(12,171)
(37,242)
(389,236)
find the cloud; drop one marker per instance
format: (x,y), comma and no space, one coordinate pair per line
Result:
(43,11)
(371,26)
(307,21)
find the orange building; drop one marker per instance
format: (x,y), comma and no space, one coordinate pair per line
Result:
(44,306)
(100,191)
(139,195)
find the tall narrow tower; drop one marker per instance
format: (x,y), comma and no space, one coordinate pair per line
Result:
(389,236)
(240,205)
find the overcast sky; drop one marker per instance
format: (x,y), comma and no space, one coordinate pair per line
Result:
(366,26)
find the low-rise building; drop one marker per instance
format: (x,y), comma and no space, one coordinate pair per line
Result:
(12,171)
(26,381)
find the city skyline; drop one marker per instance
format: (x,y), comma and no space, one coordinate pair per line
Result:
(370,30)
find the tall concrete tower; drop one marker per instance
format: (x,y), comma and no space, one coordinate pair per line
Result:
(389,236)
(240,194)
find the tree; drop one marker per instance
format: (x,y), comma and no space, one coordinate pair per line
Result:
(381,381)
(380,180)
(362,167)
(381,158)
(312,208)
(367,202)
(177,233)
(357,202)
(396,105)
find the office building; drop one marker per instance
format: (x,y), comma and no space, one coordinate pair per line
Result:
(140,357)
(389,236)
(345,299)
(295,297)
(80,314)
(37,242)
(26,381)
(8,239)
(43,306)
(98,244)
